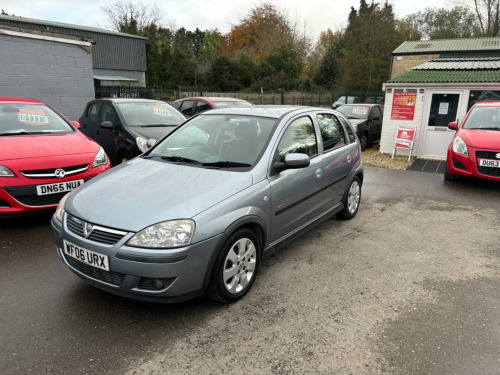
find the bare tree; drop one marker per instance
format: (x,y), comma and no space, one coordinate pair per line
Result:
(487,13)
(123,12)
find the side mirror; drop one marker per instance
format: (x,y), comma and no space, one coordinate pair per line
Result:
(292,161)
(151,142)
(453,125)
(76,124)
(375,118)
(107,125)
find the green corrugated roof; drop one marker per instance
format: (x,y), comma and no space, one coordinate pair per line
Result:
(449,76)
(460,64)
(448,45)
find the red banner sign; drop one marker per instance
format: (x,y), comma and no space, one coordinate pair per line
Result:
(405,137)
(403,104)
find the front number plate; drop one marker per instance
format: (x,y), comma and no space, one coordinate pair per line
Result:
(59,187)
(89,257)
(489,163)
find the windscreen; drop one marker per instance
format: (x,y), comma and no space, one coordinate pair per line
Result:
(28,119)
(149,114)
(218,138)
(483,118)
(354,111)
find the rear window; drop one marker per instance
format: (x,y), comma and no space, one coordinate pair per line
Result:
(26,119)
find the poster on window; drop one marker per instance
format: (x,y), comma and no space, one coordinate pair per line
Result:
(403,104)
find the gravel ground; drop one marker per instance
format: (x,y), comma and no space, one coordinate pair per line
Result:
(372,157)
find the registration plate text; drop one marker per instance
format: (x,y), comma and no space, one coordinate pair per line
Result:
(89,257)
(489,163)
(59,187)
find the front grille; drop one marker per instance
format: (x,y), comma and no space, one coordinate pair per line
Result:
(51,173)
(4,204)
(36,200)
(99,234)
(146,283)
(110,277)
(28,196)
(487,155)
(488,171)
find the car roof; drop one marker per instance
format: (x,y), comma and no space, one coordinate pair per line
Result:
(213,99)
(12,100)
(131,100)
(364,104)
(272,111)
(489,103)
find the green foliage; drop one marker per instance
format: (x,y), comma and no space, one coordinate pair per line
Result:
(369,40)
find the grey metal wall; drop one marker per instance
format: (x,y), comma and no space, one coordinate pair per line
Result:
(111,50)
(57,73)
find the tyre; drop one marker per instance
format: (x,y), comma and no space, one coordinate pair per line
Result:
(448,176)
(363,141)
(352,197)
(124,158)
(236,267)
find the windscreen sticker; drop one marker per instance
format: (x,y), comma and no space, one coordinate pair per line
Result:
(161,111)
(360,110)
(32,116)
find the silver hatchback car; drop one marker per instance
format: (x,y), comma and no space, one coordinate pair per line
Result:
(202,207)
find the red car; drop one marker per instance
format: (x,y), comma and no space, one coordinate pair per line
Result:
(194,105)
(475,149)
(42,156)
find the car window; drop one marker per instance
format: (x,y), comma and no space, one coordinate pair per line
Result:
(201,106)
(354,111)
(375,112)
(299,137)
(332,132)
(108,114)
(186,107)
(93,112)
(348,127)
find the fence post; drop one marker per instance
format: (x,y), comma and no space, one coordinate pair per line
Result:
(282,97)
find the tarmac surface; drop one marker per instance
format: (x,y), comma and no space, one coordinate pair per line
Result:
(409,286)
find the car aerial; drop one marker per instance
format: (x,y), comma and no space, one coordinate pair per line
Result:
(475,148)
(123,126)
(342,100)
(42,157)
(191,106)
(366,119)
(205,204)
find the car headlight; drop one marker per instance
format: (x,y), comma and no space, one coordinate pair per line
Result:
(142,143)
(168,234)
(100,158)
(459,146)
(6,172)
(60,209)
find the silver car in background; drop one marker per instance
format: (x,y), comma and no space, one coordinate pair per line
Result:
(200,210)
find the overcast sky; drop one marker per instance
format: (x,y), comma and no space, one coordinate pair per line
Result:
(318,15)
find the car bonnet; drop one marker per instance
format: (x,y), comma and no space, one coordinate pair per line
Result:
(143,192)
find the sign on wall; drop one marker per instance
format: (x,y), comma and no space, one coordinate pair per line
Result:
(403,104)
(404,139)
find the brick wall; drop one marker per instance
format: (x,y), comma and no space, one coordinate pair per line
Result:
(403,64)
(57,73)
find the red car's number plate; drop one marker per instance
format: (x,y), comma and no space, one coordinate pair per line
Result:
(59,187)
(489,163)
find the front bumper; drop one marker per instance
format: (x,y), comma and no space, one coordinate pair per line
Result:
(133,272)
(467,165)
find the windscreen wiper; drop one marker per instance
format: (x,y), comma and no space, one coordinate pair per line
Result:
(156,125)
(226,164)
(20,133)
(180,159)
